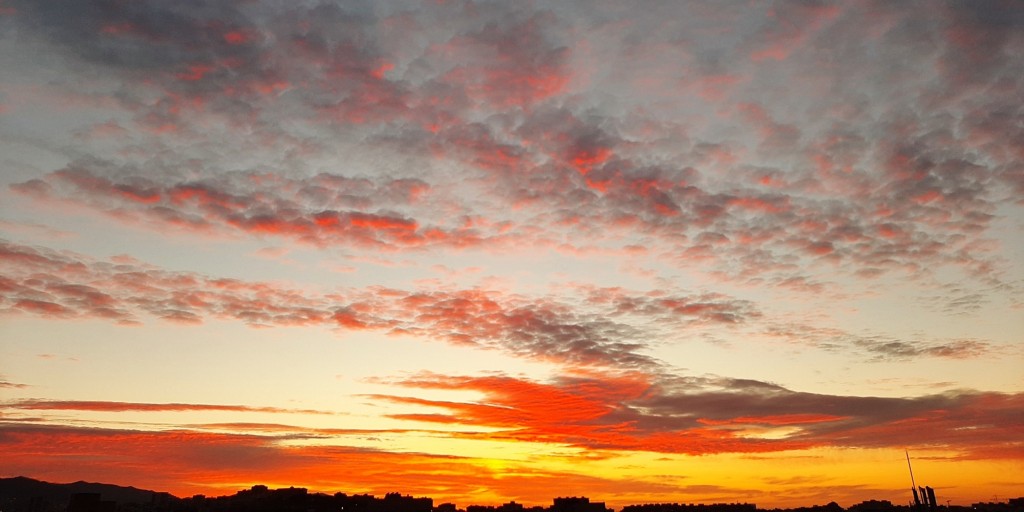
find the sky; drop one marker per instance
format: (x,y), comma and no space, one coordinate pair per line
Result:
(694,252)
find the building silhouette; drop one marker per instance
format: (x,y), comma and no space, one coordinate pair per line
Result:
(577,504)
(90,502)
(691,507)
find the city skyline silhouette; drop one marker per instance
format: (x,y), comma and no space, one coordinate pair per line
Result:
(23,494)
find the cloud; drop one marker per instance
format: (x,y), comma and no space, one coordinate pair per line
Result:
(497,96)
(877,347)
(586,333)
(787,28)
(601,327)
(901,350)
(878,224)
(978,42)
(6,384)
(34,229)
(697,416)
(508,64)
(322,210)
(193,462)
(104,406)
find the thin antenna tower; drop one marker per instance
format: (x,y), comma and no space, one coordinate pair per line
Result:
(913,485)
(911,468)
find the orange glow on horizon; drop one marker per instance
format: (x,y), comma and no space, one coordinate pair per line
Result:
(190,462)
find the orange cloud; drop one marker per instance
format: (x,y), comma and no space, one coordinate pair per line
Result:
(584,412)
(186,462)
(644,412)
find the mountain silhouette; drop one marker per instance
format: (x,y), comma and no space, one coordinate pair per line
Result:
(19,493)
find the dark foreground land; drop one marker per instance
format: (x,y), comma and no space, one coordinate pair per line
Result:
(22,494)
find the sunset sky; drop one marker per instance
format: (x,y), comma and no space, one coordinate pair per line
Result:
(722,251)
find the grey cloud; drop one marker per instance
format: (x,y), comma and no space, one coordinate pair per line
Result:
(4,383)
(879,348)
(607,329)
(506,112)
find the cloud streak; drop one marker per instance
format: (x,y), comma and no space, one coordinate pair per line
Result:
(603,327)
(53,284)
(637,412)
(105,406)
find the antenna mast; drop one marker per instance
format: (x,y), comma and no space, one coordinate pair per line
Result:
(913,485)
(911,468)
